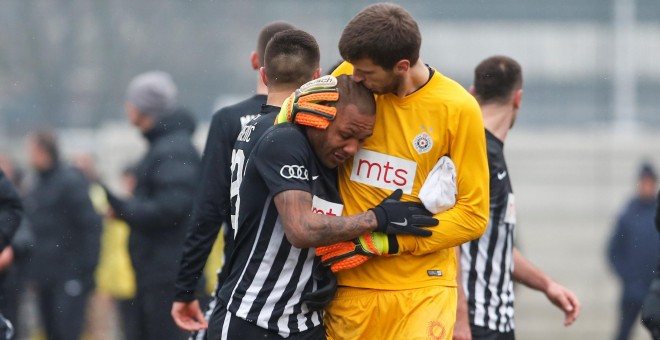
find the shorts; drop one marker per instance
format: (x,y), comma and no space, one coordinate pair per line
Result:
(421,313)
(224,325)
(485,333)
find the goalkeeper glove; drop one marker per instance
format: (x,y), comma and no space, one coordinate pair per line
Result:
(349,254)
(395,217)
(325,290)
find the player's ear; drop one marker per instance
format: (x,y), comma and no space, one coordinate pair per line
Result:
(317,73)
(262,73)
(471,90)
(254,60)
(517,98)
(402,66)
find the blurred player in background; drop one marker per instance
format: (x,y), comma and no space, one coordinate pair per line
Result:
(491,263)
(211,207)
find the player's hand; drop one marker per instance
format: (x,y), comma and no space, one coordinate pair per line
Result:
(566,300)
(6,258)
(462,328)
(325,291)
(188,316)
(395,217)
(350,254)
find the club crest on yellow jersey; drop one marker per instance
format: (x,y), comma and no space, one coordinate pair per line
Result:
(422,143)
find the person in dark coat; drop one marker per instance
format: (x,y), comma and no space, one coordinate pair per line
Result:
(11,211)
(66,233)
(159,210)
(634,249)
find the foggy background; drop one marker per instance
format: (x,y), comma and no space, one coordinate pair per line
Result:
(589,116)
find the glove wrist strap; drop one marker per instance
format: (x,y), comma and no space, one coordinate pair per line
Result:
(381,218)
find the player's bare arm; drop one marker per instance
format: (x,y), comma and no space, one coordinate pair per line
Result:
(534,278)
(305,228)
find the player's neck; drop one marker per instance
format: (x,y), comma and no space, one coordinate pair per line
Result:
(497,119)
(261,87)
(277,96)
(417,76)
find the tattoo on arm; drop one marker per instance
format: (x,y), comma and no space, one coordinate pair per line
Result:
(304,228)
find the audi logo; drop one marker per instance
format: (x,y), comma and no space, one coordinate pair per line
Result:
(294,171)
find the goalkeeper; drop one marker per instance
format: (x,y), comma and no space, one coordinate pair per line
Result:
(422,115)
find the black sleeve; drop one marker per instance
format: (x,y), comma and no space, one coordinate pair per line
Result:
(10,211)
(211,206)
(657,213)
(86,221)
(173,192)
(282,158)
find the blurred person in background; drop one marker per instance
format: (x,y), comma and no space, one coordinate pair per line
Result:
(114,276)
(490,264)
(211,209)
(67,234)
(11,211)
(14,278)
(634,249)
(159,210)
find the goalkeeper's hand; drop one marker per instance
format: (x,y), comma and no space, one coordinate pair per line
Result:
(349,254)
(395,217)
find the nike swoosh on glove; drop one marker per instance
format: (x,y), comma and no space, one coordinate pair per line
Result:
(396,217)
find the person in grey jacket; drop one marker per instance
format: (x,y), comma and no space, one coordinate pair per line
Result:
(159,210)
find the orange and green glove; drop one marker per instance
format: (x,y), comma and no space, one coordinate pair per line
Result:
(350,254)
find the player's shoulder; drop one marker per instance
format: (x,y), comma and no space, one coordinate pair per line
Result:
(249,106)
(449,89)
(287,136)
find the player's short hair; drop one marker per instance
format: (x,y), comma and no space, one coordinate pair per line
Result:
(46,140)
(385,33)
(354,93)
(292,57)
(267,33)
(496,78)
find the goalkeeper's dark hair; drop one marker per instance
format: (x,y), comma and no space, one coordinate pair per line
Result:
(292,57)
(385,33)
(267,33)
(496,79)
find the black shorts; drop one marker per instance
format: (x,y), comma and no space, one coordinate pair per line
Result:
(238,328)
(484,333)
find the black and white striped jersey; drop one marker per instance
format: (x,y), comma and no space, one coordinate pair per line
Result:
(268,276)
(486,262)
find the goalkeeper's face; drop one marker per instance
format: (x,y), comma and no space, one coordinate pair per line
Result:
(343,137)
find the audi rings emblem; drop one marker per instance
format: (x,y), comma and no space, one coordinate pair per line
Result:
(294,171)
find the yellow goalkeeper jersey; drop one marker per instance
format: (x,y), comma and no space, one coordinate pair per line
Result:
(409,137)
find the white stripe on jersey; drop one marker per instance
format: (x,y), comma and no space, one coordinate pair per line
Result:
(495,275)
(280,287)
(283,281)
(254,246)
(480,266)
(500,304)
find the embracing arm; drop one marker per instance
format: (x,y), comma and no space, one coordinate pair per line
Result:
(468,219)
(305,228)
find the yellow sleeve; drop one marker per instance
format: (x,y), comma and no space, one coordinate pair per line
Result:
(343,68)
(468,219)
